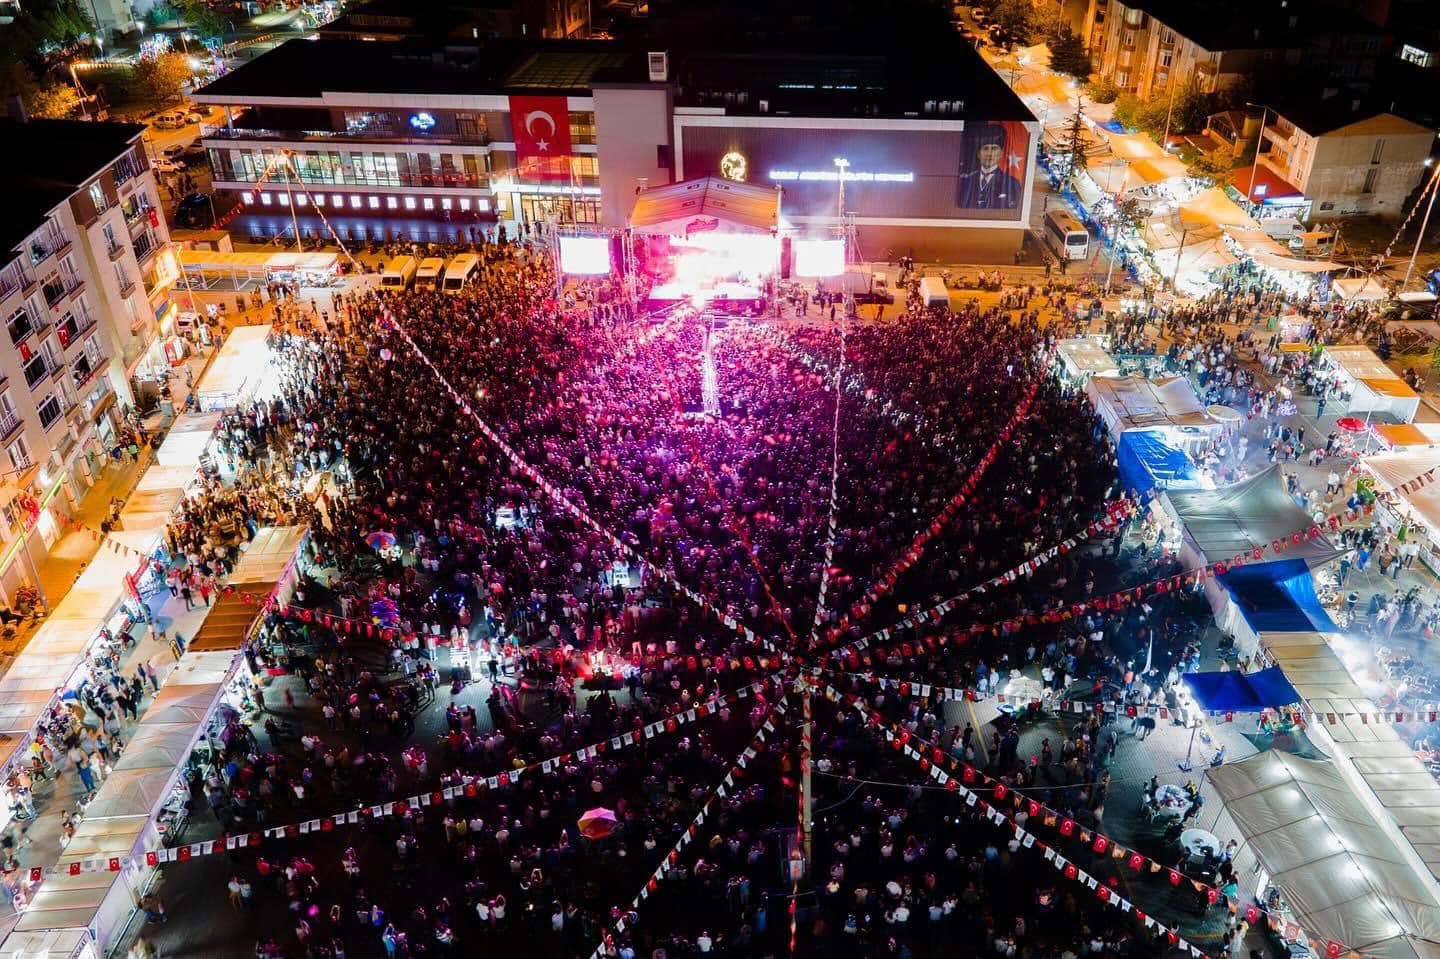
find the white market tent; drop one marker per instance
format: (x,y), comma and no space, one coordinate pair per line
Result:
(60,943)
(1392,470)
(269,554)
(1360,288)
(187,440)
(1342,876)
(1136,403)
(1375,761)
(1375,387)
(1085,357)
(236,370)
(157,746)
(1199,256)
(129,793)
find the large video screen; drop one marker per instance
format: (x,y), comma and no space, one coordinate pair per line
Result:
(978,174)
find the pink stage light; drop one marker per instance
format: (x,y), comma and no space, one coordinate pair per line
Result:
(584,255)
(819,257)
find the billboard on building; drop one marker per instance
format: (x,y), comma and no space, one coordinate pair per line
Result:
(977,174)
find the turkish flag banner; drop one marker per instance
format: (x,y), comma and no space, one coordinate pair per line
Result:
(542,138)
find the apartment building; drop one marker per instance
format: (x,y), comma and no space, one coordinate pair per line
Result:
(1150,47)
(1346,161)
(84,293)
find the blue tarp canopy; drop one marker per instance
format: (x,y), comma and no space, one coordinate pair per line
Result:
(1242,692)
(1148,461)
(1277,597)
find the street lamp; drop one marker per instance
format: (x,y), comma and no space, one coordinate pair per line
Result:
(1259,141)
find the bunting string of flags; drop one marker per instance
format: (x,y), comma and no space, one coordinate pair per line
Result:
(738,767)
(944,768)
(829,561)
(1117,512)
(1114,601)
(807,717)
(911,556)
(561,498)
(469,786)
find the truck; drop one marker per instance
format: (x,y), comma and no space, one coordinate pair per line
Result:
(398,274)
(933,292)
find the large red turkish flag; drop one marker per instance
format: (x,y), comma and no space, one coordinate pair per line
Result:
(542,138)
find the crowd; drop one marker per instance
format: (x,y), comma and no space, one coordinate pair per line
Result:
(577,644)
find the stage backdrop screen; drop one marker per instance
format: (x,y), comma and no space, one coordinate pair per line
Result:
(978,174)
(584,255)
(819,257)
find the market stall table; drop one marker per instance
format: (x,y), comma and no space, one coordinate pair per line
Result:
(1172,800)
(1198,843)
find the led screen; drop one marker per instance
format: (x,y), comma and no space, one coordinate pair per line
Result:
(819,257)
(584,255)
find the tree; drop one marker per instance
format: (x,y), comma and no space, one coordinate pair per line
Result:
(209,24)
(1073,147)
(1013,16)
(162,78)
(1102,91)
(1215,164)
(1127,216)
(42,28)
(55,101)
(160,14)
(1045,25)
(1069,56)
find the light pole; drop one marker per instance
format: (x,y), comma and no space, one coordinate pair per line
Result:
(1259,142)
(1424,222)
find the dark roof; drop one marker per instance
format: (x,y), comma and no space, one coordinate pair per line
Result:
(45,161)
(1251,24)
(843,68)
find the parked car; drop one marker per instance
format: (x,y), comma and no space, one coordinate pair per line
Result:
(167,166)
(169,120)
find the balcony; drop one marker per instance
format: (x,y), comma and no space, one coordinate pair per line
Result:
(36,371)
(21,328)
(10,424)
(144,246)
(115,251)
(342,136)
(59,286)
(82,372)
(127,288)
(74,328)
(15,278)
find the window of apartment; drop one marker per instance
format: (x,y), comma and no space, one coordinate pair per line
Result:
(111,244)
(1167,37)
(92,348)
(19,452)
(584,166)
(1372,180)
(122,277)
(124,168)
(49,410)
(1378,151)
(467,125)
(97,197)
(1167,57)
(19,325)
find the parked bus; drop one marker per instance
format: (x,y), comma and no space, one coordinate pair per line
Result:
(1066,236)
(460,271)
(428,276)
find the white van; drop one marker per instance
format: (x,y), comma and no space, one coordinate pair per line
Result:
(460,272)
(933,292)
(399,273)
(428,276)
(169,120)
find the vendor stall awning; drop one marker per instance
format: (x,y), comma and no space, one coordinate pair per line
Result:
(1136,403)
(1343,877)
(1252,513)
(707,203)
(1360,288)
(1087,355)
(1277,597)
(1234,691)
(1147,461)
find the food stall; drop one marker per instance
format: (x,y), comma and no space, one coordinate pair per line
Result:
(237,370)
(1373,386)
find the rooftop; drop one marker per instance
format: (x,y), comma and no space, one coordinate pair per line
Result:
(47,161)
(837,64)
(1250,24)
(1340,116)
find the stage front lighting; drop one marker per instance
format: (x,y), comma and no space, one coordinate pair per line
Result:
(819,257)
(584,255)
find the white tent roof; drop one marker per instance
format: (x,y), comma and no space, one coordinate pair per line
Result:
(203,668)
(267,555)
(1088,355)
(183,704)
(1137,403)
(241,360)
(1392,469)
(60,943)
(1360,288)
(157,746)
(128,793)
(1344,878)
(103,838)
(1236,519)
(187,439)
(65,902)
